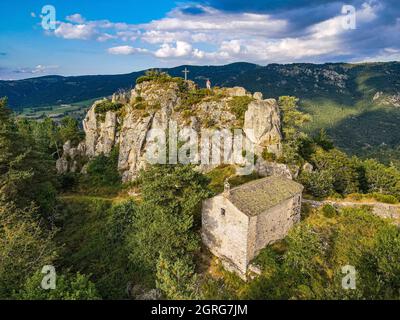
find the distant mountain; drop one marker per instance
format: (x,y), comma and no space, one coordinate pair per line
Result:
(358,104)
(344,83)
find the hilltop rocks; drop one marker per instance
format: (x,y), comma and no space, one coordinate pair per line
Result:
(236,92)
(258,95)
(262,125)
(161,105)
(100,136)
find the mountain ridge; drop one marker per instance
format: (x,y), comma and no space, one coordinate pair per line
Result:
(269,79)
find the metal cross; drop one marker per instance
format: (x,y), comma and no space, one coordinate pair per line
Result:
(186,71)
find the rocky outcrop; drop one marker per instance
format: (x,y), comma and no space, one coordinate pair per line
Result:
(73,158)
(266,169)
(172,105)
(100,136)
(387,99)
(262,125)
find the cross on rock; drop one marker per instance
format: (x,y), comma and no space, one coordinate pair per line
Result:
(186,71)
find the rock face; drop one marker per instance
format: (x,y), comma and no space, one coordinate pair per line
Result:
(262,125)
(100,137)
(165,106)
(73,158)
(387,99)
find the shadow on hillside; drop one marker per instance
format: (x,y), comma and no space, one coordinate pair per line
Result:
(374,133)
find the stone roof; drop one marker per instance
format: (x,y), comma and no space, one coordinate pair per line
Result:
(256,197)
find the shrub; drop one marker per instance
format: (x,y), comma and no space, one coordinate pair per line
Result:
(318,183)
(193,97)
(239,105)
(385,198)
(356,196)
(268,156)
(107,105)
(328,210)
(159,76)
(69,287)
(218,177)
(102,175)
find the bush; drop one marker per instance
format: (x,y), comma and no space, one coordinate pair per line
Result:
(160,77)
(317,249)
(218,176)
(268,156)
(356,196)
(317,183)
(169,217)
(329,211)
(102,175)
(68,287)
(191,98)
(107,105)
(92,234)
(239,106)
(385,198)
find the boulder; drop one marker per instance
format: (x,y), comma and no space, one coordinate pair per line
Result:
(236,92)
(267,169)
(258,95)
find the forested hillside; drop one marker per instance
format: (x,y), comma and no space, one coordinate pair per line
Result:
(141,239)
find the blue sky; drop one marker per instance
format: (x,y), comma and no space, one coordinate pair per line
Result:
(120,36)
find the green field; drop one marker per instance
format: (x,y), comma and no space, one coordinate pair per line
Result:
(76,110)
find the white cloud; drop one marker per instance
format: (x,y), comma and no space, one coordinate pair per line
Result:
(75,31)
(156,36)
(232,46)
(75,18)
(105,36)
(221,36)
(181,49)
(125,50)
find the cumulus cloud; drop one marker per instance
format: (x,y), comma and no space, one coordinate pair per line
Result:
(125,50)
(180,49)
(75,18)
(256,31)
(75,31)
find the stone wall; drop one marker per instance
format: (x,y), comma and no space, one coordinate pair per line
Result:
(237,238)
(272,225)
(383,210)
(226,235)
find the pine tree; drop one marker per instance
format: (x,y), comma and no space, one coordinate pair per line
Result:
(176,278)
(27,173)
(25,247)
(14,175)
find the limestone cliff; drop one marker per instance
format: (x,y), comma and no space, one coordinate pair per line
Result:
(127,119)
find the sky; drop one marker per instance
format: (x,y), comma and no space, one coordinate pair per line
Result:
(121,36)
